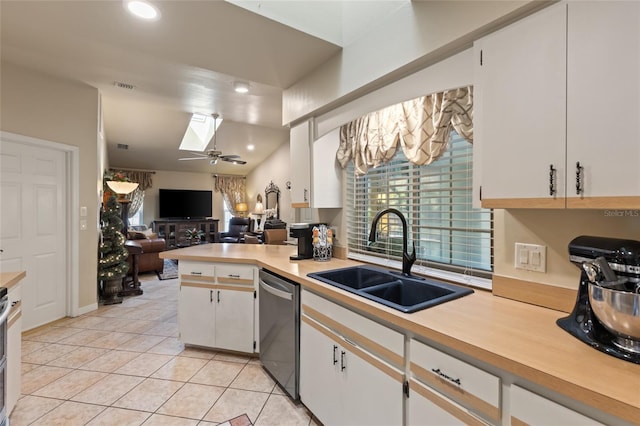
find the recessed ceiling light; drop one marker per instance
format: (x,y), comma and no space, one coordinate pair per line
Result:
(251,147)
(143,10)
(241,86)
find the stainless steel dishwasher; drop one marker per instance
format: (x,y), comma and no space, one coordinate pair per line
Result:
(279,304)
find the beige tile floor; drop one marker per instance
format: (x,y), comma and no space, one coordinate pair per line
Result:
(123,365)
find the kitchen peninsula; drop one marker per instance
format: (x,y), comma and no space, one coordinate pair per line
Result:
(517,344)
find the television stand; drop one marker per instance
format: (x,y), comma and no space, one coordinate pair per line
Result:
(173,230)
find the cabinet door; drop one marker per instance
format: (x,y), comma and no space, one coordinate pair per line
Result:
(196,315)
(530,408)
(603,78)
(426,407)
(319,369)
(369,396)
(234,319)
(523,87)
(14,349)
(326,185)
(300,138)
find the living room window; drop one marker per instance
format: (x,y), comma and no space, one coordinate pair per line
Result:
(453,240)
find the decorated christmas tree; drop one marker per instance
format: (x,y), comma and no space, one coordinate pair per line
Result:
(112,262)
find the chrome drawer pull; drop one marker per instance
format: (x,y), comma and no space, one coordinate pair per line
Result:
(196,273)
(444,376)
(233,276)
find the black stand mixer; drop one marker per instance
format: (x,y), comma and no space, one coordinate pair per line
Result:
(622,261)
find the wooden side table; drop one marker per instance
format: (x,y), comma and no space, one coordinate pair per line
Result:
(131,284)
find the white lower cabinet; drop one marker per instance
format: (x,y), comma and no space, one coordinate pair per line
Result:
(216,306)
(342,382)
(427,407)
(447,391)
(528,408)
(14,348)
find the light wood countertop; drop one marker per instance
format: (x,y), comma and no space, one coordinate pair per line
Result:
(9,279)
(516,337)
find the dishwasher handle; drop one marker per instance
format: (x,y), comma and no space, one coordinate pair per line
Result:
(276,292)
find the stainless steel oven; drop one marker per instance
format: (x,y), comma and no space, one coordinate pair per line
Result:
(279,303)
(5,307)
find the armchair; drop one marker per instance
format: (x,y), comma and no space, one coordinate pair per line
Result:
(238,226)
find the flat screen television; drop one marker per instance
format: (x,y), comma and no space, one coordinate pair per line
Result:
(184,204)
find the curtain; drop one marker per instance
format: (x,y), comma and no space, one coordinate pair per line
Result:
(233,189)
(421,127)
(144,180)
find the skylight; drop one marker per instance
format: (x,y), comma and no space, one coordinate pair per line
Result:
(199,132)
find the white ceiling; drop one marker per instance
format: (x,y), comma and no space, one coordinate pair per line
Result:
(184,63)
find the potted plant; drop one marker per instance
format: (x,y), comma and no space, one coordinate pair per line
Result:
(194,236)
(112,262)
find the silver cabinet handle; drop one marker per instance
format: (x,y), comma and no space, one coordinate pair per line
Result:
(335,360)
(343,365)
(552,180)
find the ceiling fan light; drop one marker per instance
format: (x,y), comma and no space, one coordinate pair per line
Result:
(241,86)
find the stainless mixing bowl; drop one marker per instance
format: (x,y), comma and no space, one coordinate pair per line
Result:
(619,312)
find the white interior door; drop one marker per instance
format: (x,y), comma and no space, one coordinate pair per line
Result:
(33,227)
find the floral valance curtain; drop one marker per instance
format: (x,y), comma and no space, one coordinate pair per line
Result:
(144,180)
(420,126)
(233,189)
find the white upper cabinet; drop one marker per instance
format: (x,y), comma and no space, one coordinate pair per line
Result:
(603,109)
(522,77)
(300,138)
(316,177)
(555,89)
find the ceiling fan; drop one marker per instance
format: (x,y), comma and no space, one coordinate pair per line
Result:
(213,155)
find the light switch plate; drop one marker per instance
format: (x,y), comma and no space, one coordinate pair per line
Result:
(531,257)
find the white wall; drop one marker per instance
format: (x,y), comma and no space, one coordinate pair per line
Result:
(276,168)
(57,110)
(419,34)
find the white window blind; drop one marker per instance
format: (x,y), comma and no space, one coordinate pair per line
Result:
(449,234)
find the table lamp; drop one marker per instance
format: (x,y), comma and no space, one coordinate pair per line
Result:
(242,208)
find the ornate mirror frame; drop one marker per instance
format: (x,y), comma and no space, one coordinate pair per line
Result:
(272,198)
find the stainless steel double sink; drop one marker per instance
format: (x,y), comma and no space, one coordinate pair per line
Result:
(404,293)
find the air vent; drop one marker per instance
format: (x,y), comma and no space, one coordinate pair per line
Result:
(123,146)
(123,85)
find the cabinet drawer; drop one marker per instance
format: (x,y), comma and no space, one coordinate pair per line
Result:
(528,408)
(234,273)
(199,271)
(382,341)
(466,384)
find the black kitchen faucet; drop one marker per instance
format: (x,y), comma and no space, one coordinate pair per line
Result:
(407,259)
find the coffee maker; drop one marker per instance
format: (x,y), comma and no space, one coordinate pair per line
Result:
(623,258)
(304,233)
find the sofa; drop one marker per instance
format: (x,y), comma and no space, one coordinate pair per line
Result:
(151,246)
